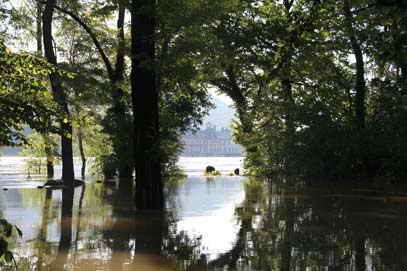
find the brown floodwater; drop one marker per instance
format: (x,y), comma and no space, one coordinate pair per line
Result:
(226,223)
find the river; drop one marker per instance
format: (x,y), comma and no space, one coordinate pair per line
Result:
(219,223)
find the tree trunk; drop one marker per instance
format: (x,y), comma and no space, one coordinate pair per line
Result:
(67,154)
(59,96)
(400,51)
(49,155)
(149,186)
(82,153)
(360,254)
(360,87)
(39,27)
(121,148)
(48,147)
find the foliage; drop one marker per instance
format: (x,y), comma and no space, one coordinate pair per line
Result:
(34,150)
(211,171)
(6,232)
(288,68)
(24,95)
(306,104)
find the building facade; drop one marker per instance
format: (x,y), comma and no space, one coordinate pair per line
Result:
(210,142)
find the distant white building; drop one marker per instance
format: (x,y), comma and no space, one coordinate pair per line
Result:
(211,142)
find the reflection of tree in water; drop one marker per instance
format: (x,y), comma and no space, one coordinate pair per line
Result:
(281,228)
(103,229)
(148,239)
(65,240)
(285,228)
(43,247)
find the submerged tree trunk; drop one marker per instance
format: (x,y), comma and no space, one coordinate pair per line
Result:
(59,95)
(360,254)
(149,186)
(360,87)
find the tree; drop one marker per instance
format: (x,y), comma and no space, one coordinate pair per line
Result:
(149,185)
(117,122)
(59,96)
(36,149)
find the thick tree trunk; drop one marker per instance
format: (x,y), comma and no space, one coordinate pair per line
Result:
(68,174)
(149,186)
(59,96)
(360,87)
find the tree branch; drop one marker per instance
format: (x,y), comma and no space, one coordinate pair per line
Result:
(105,59)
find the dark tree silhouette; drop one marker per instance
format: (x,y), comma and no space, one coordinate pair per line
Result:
(149,194)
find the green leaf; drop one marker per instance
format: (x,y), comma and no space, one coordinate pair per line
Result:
(8,256)
(277,56)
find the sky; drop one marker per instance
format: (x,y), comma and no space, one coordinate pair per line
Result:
(221,96)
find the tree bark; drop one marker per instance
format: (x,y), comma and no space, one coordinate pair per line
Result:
(39,27)
(49,155)
(123,136)
(149,186)
(82,153)
(360,87)
(400,51)
(59,96)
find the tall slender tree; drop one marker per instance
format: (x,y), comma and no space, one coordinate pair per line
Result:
(49,151)
(59,95)
(117,124)
(360,87)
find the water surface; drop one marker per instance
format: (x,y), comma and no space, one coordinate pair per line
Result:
(222,223)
